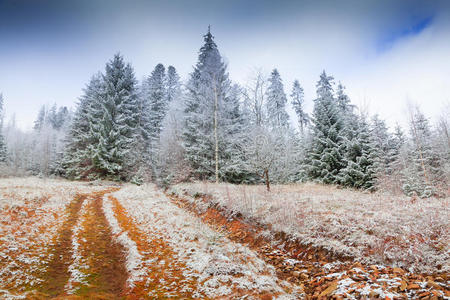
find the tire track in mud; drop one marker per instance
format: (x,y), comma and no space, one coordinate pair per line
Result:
(105,269)
(57,273)
(163,273)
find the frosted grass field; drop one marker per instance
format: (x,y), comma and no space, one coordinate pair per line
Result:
(370,227)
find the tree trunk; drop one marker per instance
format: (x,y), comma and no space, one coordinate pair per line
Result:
(266,173)
(215,132)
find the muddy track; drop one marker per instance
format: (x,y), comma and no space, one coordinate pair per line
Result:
(163,277)
(107,274)
(105,256)
(57,274)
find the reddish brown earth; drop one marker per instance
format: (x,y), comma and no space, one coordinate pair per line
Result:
(309,273)
(106,257)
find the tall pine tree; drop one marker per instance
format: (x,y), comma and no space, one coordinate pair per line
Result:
(325,156)
(276,102)
(118,127)
(77,160)
(297,96)
(211,110)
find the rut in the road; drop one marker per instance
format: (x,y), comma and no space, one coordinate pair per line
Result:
(57,273)
(105,269)
(104,257)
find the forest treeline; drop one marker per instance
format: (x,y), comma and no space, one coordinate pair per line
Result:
(210,128)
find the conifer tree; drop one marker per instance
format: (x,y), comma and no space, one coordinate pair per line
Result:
(77,159)
(382,144)
(210,113)
(173,86)
(118,125)
(276,102)
(297,96)
(325,156)
(424,173)
(343,100)
(3,150)
(358,155)
(41,119)
(158,100)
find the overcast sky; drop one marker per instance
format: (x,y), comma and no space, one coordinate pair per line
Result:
(384,52)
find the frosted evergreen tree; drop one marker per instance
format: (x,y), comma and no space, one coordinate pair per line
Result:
(173,85)
(77,160)
(209,114)
(297,96)
(358,151)
(423,174)
(41,119)
(118,127)
(343,100)
(358,155)
(3,150)
(325,156)
(276,101)
(155,103)
(157,97)
(233,166)
(382,144)
(62,118)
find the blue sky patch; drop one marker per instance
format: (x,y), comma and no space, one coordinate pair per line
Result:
(392,37)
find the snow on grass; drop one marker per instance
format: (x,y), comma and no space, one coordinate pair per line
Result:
(219,266)
(31,212)
(77,276)
(374,228)
(134,258)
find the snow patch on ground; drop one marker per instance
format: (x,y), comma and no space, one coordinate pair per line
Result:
(134,258)
(77,276)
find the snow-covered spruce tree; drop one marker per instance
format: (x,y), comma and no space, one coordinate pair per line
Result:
(343,100)
(3,149)
(77,158)
(276,101)
(358,155)
(325,156)
(158,99)
(358,170)
(207,120)
(173,85)
(118,127)
(171,155)
(381,142)
(399,155)
(50,129)
(423,175)
(297,96)
(233,166)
